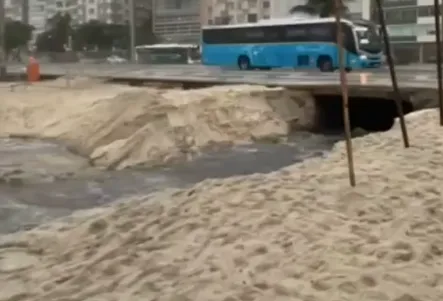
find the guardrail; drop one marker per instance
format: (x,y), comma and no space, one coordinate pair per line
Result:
(201,75)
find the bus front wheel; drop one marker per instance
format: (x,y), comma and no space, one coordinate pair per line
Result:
(324,63)
(244,63)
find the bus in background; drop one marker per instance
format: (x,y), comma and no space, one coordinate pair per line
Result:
(291,43)
(168,54)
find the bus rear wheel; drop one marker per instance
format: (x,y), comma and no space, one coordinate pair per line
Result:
(244,63)
(324,63)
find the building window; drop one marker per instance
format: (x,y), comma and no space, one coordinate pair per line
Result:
(401,15)
(425,29)
(399,3)
(252,18)
(252,3)
(240,18)
(226,20)
(426,11)
(266,16)
(91,11)
(178,4)
(401,30)
(266,4)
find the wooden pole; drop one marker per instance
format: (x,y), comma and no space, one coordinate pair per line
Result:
(2,40)
(439,69)
(344,92)
(132,33)
(397,95)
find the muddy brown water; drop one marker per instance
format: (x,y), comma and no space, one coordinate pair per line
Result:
(40,181)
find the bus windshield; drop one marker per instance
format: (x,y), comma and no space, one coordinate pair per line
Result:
(369,39)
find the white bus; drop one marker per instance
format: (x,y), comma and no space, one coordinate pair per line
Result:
(168,54)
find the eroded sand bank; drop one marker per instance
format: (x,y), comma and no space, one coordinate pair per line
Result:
(300,233)
(120,126)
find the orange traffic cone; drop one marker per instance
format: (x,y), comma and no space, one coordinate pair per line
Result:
(33,70)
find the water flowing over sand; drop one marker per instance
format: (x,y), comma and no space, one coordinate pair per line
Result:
(120,126)
(300,233)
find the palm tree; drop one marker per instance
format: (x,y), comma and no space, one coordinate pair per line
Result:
(322,8)
(397,95)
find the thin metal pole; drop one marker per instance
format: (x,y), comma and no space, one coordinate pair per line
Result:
(397,95)
(344,93)
(439,69)
(2,40)
(132,29)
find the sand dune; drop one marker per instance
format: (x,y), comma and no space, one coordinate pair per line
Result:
(121,126)
(300,233)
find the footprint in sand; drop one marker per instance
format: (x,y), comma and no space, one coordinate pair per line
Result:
(14,261)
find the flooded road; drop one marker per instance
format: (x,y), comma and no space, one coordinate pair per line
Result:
(42,180)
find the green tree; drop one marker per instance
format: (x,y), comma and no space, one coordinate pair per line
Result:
(92,35)
(17,35)
(56,37)
(96,35)
(322,8)
(119,35)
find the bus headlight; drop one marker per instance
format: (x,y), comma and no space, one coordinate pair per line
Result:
(363,57)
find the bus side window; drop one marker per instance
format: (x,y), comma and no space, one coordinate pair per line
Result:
(253,34)
(224,36)
(296,33)
(272,34)
(322,33)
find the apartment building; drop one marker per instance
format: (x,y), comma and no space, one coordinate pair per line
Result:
(32,12)
(280,9)
(108,11)
(411,28)
(37,12)
(14,9)
(177,20)
(237,11)
(247,11)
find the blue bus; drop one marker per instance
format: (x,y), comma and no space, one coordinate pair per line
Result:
(292,43)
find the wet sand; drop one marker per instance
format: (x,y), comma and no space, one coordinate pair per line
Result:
(298,233)
(173,138)
(118,126)
(43,180)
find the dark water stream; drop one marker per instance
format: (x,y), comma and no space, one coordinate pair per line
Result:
(42,180)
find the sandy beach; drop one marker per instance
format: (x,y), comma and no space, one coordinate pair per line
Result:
(117,126)
(300,233)
(41,179)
